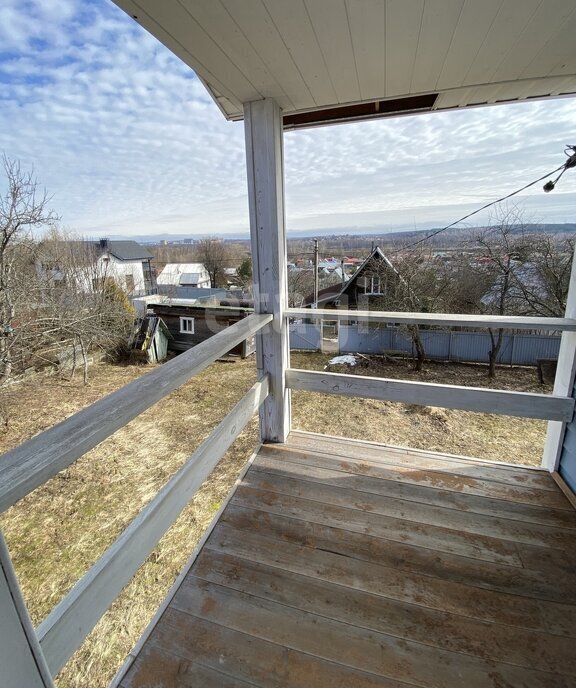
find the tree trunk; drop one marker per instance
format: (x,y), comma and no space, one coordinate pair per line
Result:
(496,341)
(419,345)
(84,350)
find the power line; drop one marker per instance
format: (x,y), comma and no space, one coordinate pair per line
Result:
(571,162)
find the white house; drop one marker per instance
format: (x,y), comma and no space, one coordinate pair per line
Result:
(185,275)
(88,262)
(128,263)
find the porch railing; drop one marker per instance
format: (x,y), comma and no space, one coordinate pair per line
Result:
(523,404)
(34,462)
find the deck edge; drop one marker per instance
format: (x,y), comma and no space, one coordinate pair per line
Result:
(133,654)
(416,450)
(563,485)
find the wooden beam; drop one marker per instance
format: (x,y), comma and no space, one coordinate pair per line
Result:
(265,166)
(523,404)
(31,464)
(21,660)
(445,319)
(64,629)
(563,382)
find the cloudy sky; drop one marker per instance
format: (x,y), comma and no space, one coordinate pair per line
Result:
(128,142)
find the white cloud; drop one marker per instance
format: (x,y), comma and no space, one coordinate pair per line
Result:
(127,140)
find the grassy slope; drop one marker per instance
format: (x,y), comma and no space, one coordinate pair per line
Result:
(59,530)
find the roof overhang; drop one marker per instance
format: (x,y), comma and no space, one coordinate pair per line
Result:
(325,61)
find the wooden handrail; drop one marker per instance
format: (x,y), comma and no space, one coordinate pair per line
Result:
(31,464)
(64,629)
(521,404)
(513,322)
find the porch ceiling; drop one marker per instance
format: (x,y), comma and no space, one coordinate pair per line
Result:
(315,55)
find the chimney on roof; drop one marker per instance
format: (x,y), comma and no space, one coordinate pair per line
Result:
(104,244)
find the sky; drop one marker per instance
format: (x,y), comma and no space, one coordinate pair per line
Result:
(128,142)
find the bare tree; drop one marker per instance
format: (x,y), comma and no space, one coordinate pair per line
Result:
(505,246)
(23,209)
(543,279)
(81,302)
(215,255)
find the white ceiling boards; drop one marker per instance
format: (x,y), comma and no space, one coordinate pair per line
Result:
(322,56)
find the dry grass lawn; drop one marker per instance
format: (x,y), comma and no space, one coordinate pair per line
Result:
(59,530)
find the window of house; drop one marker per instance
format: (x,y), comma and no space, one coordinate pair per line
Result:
(187,325)
(375,284)
(129,283)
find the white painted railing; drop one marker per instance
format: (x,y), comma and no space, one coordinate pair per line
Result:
(505,402)
(33,463)
(515,322)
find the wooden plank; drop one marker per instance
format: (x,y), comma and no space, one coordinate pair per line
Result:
(34,462)
(219,24)
(64,629)
(401,43)
(544,25)
(435,538)
(410,622)
(351,646)
(476,399)
(293,23)
(264,153)
(122,671)
(170,670)
(392,485)
(563,382)
(537,479)
(570,496)
(394,583)
(439,21)
(436,480)
(473,25)
(21,660)
(554,584)
(499,464)
(243,656)
(447,319)
(509,24)
(329,21)
(367,26)
(261,32)
(328,487)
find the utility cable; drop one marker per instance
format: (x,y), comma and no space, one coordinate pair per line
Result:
(571,162)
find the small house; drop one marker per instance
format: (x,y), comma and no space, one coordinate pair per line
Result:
(192,323)
(88,263)
(185,275)
(376,283)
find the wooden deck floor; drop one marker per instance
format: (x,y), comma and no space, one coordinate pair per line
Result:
(340,564)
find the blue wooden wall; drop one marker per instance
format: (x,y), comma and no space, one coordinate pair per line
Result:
(567,468)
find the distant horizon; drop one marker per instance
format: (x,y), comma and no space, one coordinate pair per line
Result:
(318,233)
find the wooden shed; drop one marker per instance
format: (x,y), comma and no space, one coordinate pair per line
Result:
(189,325)
(152,339)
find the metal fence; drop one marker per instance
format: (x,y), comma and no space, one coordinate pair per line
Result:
(305,336)
(470,347)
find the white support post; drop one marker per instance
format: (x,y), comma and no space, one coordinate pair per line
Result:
(265,165)
(21,659)
(564,380)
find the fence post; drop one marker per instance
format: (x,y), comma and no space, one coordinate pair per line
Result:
(21,658)
(513,350)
